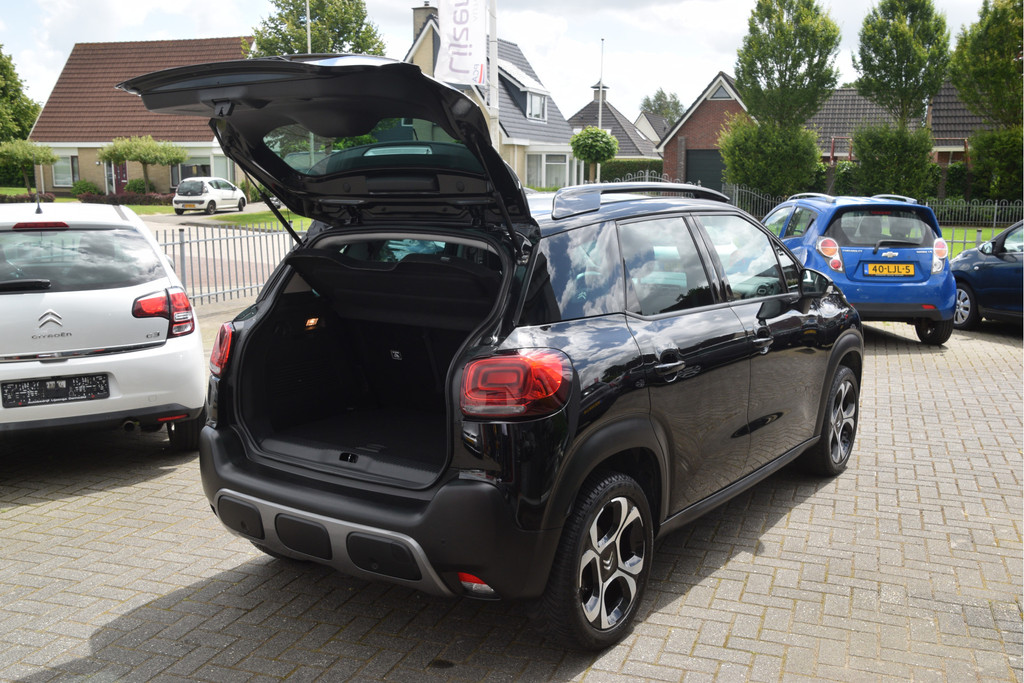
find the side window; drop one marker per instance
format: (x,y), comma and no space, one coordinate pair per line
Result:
(747,255)
(791,270)
(664,271)
(802,219)
(578,274)
(1014,241)
(776,220)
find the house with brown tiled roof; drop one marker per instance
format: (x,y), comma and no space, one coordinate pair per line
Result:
(85,112)
(952,125)
(840,116)
(633,144)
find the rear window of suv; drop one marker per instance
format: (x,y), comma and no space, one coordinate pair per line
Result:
(893,227)
(78,260)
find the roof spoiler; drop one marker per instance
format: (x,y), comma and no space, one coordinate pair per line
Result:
(813,195)
(579,199)
(895,197)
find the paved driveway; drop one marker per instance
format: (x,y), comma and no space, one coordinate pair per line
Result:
(907,567)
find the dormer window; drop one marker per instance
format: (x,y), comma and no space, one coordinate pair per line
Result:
(536,106)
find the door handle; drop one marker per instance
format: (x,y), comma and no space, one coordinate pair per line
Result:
(670,368)
(762,343)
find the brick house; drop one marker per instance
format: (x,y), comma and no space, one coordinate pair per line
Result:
(690,148)
(633,143)
(85,112)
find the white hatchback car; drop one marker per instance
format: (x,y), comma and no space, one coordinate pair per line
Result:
(207,195)
(95,327)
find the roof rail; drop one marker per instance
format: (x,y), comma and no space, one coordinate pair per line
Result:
(814,195)
(578,199)
(897,197)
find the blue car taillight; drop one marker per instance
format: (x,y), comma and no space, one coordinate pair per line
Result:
(829,248)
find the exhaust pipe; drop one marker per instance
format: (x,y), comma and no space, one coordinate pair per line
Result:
(130,425)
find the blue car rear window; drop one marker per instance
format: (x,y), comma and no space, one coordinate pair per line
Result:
(868,227)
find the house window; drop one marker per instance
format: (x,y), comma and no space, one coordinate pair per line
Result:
(194,167)
(65,171)
(547,170)
(536,106)
(721,94)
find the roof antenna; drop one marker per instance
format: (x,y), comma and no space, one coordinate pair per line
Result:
(39,206)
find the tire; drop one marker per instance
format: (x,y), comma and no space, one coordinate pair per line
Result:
(601,568)
(210,209)
(184,435)
(965,313)
(241,204)
(934,332)
(830,456)
(179,211)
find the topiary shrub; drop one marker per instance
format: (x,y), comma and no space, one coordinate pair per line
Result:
(138,186)
(84,187)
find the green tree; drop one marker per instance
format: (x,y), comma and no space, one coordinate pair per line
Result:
(25,156)
(997,163)
(902,57)
(594,146)
(785,69)
(665,105)
(17,112)
(893,160)
(145,150)
(335,26)
(770,158)
(986,64)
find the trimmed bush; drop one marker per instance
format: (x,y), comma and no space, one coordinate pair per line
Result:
(84,187)
(998,164)
(24,198)
(893,161)
(122,198)
(620,168)
(138,186)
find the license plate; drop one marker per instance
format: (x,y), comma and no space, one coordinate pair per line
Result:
(190,206)
(889,269)
(34,392)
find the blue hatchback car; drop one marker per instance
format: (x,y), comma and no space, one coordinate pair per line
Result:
(886,254)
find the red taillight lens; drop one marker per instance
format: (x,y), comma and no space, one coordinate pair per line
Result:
(221,350)
(172,304)
(530,382)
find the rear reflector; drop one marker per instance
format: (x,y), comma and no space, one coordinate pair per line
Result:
(474,585)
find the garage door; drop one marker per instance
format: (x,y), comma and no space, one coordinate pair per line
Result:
(705,166)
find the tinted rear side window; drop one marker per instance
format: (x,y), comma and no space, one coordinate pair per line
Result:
(578,275)
(894,227)
(77,260)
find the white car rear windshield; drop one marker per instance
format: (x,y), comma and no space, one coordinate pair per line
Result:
(75,260)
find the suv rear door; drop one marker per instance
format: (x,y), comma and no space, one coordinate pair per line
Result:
(884,243)
(691,348)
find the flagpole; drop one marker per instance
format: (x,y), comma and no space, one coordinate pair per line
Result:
(492,74)
(600,101)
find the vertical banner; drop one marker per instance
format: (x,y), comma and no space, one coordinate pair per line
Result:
(463,54)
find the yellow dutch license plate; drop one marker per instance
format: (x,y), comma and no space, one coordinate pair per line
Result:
(190,206)
(889,269)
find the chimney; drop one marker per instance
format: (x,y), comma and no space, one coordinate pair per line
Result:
(598,97)
(420,15)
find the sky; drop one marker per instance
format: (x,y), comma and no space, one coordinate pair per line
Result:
(648,44)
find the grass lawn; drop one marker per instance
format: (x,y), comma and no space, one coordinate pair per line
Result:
(956,237)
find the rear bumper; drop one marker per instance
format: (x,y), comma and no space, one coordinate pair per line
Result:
(421,539)
(907,312)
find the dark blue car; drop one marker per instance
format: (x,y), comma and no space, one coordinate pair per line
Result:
(885,252)
(990,280)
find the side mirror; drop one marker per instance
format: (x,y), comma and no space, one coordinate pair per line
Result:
(814,283)
(985,248)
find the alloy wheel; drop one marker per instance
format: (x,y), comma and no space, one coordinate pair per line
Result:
(611,563)
(842,421)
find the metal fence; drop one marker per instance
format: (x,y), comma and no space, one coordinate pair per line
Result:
(219,263)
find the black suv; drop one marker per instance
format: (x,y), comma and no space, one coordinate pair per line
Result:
(439,389)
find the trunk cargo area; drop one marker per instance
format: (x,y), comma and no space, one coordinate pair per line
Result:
(354,378)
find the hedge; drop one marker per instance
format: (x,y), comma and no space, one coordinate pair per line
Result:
(136,198)
(23,198)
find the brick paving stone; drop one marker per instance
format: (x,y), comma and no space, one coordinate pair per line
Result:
(908,566)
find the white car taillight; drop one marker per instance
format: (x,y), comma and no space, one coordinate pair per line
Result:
(172,304)
(939,253)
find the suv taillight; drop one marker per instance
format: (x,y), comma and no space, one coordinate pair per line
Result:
(172,304)
(829,248)
(221,350)
(939,253)
(527,383)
